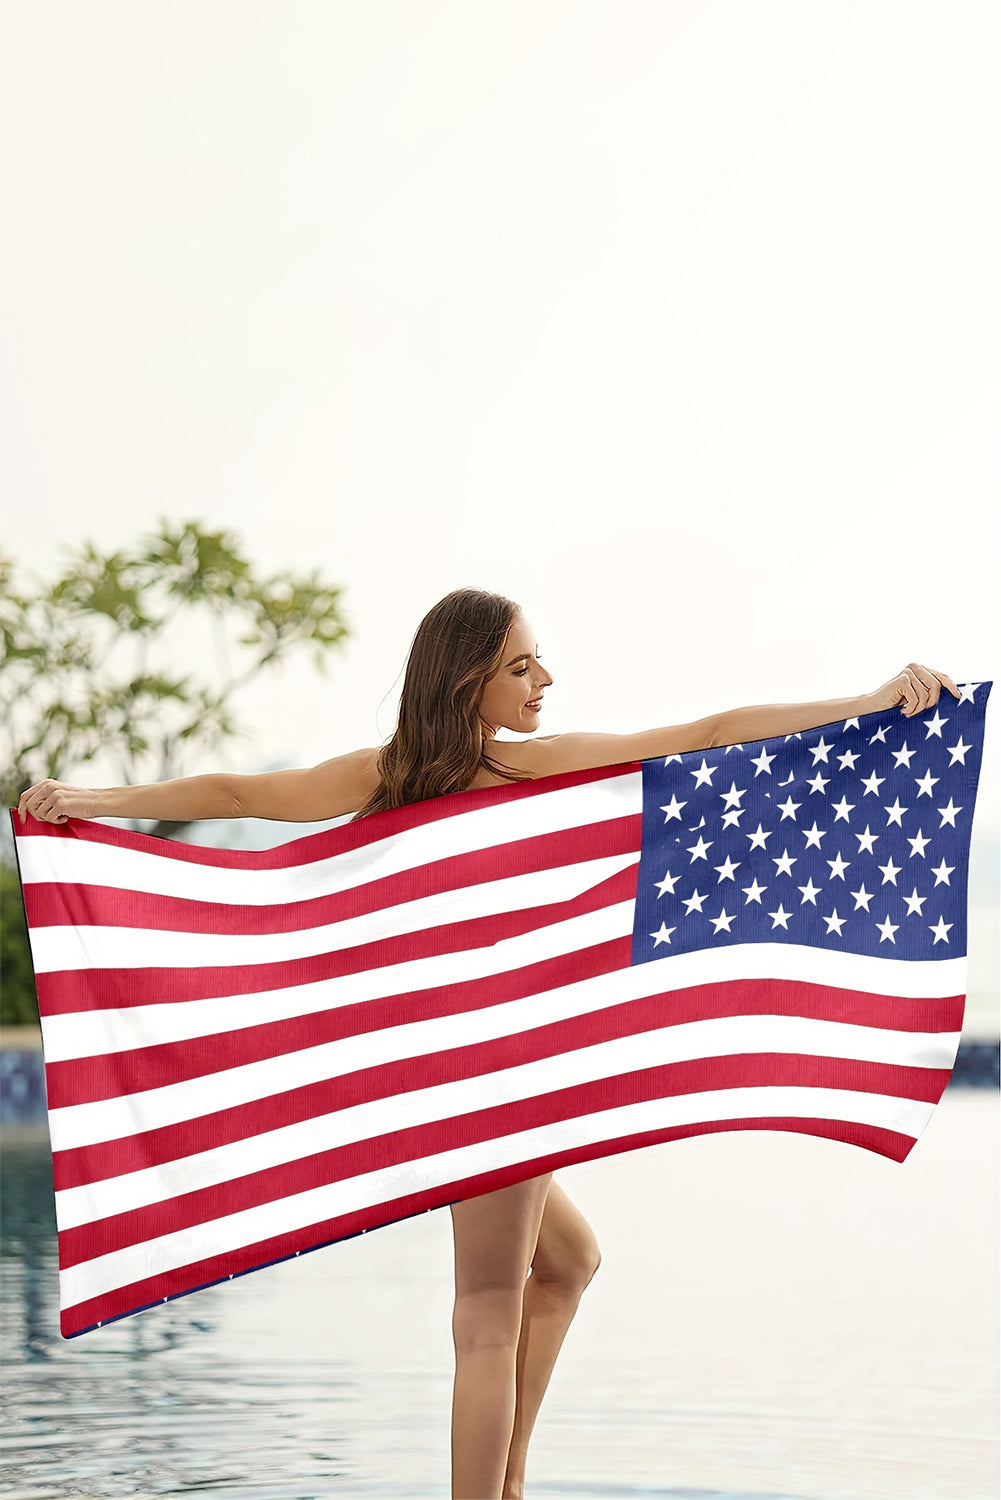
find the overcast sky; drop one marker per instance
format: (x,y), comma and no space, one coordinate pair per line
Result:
(677,323)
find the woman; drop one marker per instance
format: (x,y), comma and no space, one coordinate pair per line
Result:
(474,668)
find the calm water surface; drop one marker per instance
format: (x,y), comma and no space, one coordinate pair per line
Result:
(774,1317)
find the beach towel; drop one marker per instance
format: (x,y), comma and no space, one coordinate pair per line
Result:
(253,1054)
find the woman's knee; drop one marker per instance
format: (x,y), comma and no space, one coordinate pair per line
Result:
(592,1260)
(487,1319)
(567,1253)
(579,1263)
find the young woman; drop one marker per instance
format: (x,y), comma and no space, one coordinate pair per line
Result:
(474,668)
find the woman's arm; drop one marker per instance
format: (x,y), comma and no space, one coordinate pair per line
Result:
(765,720)
(329,790)
(334,787)
(915,689)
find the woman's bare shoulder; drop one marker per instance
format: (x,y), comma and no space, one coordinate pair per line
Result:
(549,755)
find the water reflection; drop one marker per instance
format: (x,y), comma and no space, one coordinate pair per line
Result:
(148,1401)
(775,1317)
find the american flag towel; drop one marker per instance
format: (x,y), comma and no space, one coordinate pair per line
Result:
(250,1055)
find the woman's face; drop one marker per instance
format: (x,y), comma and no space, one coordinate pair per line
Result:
(512,697)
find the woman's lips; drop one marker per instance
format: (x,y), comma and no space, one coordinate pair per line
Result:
(535,703)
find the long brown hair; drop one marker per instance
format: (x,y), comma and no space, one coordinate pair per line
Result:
(438,745)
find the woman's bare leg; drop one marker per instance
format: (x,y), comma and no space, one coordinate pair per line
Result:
(495,1238)
(566,1257)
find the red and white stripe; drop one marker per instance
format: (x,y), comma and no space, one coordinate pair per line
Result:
(249,1055)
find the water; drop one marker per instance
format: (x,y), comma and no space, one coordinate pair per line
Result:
(774,1316)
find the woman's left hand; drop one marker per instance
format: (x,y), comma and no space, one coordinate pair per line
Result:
(915,689)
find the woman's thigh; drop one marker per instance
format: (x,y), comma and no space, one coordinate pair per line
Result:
(496,1236)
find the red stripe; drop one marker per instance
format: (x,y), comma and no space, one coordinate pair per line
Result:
(87,1079)
(64,904)
(68,991)
(82,1164)
(328,841)
(92,1163)
(119,1074)
(415,1143)
(139,1295)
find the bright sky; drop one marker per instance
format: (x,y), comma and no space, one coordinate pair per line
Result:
(677,323)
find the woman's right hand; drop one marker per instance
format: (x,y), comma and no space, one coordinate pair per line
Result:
(915,689)
(53,802)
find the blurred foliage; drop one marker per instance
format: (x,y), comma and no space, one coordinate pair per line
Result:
(76,677)
(79,676)
(18,1006)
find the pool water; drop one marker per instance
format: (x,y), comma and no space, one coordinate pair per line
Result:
(774,1316)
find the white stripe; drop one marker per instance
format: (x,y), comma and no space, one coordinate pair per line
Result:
(81,862)
(59,948)
(719,1037)
(168,1252)
(103,1032)
(100,1032)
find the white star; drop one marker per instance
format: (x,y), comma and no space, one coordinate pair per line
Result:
(873,783)
(789,809)
(758,837)
(847,760)
(667,884)
(879,735)
(820,750)
(732,747)
(866,840)
(726,869)
(834,923)
(838,867)
(958,752)
(780,918)
(915,903)
(673,809)
(662,935)
(948,814)
(763,763)
(817,783)
(753,891)
(788,780)
(721,921)
(895,813)
(796,736)
(668,759)
(703,776)
(814,835)
(966,691)
(784,865)
(698,851)
(941,930)
(732,797)
(733,817)
(696,826)
(850,724)
(862,897)
(810,892)
(925,784)
(934,726)
(890,871)
(886,930)
(903,756)
(944,871)
(694,902)
(842,809)
(917,844)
